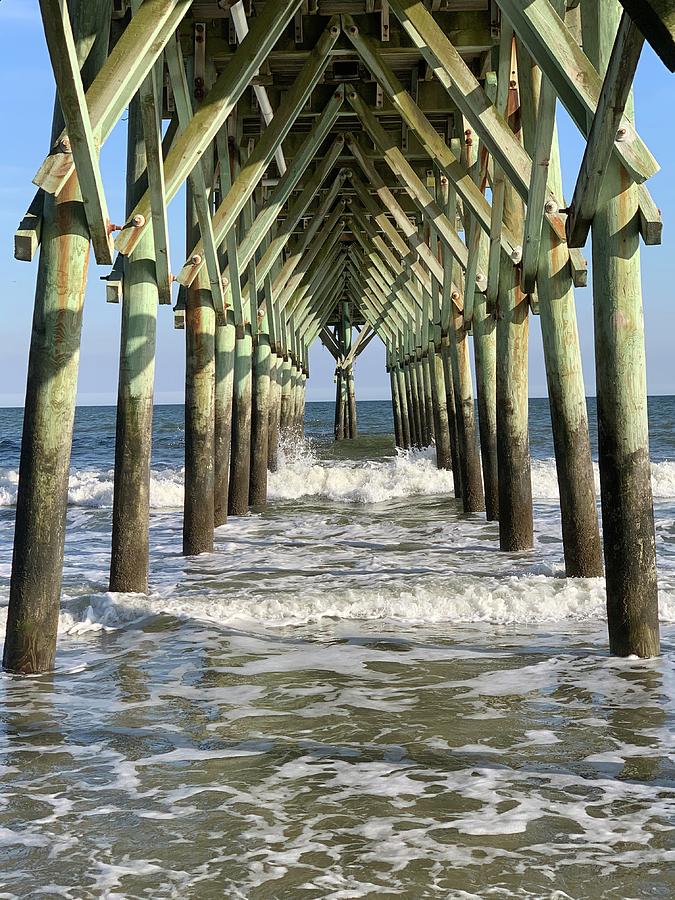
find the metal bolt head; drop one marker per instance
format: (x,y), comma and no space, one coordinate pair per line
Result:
(138,221)
(64,145)
(621,133)
(196,259)
(551,207)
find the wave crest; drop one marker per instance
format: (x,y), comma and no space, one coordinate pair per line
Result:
(302,474)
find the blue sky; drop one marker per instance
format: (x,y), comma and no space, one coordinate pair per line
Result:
(27,101)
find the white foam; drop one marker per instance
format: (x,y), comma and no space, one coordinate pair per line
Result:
(407,474)
(519,601)
(301,474)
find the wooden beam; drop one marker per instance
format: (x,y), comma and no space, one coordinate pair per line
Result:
(605,130)
(298,208)
(415,119)
(151,117)
(191,144)
(656,21)
(80,141)
(536,198)
(576,81)
(199,182)
(268,215)
(27,235)
(270,139)
(130,60)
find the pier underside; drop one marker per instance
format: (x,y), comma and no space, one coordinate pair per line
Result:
(355,170)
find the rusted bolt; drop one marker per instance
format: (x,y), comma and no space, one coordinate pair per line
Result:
(353,29)
(334,29)
(112,228)
(138,221)
(444,179)
(196,259)
(550,206)
(517,254)
(455,295)
(621,133)
(64,145)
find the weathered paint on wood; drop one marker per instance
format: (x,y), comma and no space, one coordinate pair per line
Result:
(621,384)
(129,560)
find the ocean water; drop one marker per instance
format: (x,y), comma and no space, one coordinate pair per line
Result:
(356,695)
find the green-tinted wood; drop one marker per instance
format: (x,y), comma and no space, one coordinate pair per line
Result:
(224,344)
(200,384)
(289,109)
(133,445)
(621,384)
(81,141)
(121,75)
(191,144)
(37,563)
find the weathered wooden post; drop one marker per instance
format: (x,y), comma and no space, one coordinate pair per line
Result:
(223,413)
(516,527)
(285,394)
(467,433)
(562,353)
(621,384)
(451,407)
(261,418)
(484,326)
(416,402)
(351,391)
(129,559)
(200,395)
(440,407)
(240,460)
(395,406)
(428,399)
(275,413)
(485,357)
(405,412)
(37,563)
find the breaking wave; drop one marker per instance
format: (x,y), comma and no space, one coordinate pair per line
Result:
(531,600)
(301,474)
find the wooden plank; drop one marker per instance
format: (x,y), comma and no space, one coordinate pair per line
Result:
(415,119)
(80,140)
(576,81)
(191,144)
(27,235)
(656,21)
(199,182)
(536,199)
(268,215)
(130,60)
(605,130)
(151,117)
(270,139)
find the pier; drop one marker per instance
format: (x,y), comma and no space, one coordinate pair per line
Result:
(352,170)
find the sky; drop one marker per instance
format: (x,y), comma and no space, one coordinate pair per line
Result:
(26,107)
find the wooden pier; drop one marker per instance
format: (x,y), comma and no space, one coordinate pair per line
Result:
(353,169)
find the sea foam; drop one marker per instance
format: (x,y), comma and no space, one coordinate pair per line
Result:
(409,473)
(526,601)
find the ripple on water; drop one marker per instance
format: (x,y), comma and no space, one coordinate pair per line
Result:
(354,696)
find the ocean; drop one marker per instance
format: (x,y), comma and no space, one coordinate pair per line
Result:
(356,695)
